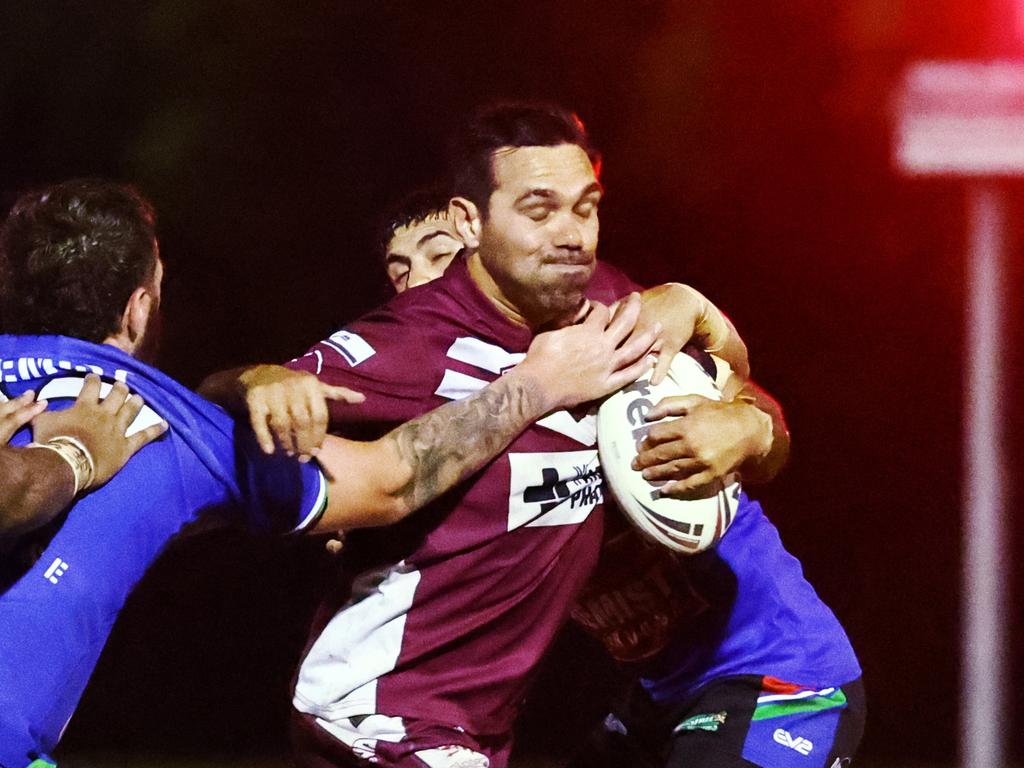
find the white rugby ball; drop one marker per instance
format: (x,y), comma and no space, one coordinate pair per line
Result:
(684,526)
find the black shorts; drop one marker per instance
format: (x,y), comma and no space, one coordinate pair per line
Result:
(733,722)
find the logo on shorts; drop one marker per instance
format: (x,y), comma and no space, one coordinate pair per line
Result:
(798,743)
(708,722)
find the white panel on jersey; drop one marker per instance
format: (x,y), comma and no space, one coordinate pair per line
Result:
(71,387)
(453,757)
(353,347)
(362,739)
(583,431)
(457,386)
(552,488)
(3,397)
(490,357)
(360,643)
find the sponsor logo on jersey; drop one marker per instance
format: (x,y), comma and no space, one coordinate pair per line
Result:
(57,569)
(707,722)
(797,743)
(552,488)
(353,347)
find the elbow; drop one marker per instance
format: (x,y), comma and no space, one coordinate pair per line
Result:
(383,511)
(392,510)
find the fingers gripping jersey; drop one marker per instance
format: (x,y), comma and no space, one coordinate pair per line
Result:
(55,618)
(446,626)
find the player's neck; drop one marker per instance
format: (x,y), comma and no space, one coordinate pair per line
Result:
(122,342)
(479,274)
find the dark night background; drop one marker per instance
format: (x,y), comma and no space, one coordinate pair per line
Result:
(748,151)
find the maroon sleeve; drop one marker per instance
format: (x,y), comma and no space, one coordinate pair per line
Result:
(383,359)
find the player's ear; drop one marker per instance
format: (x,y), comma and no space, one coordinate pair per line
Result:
(466,218)
(141,304)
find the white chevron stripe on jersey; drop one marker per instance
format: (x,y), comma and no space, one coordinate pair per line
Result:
(456,386)
(490,357)
(583,431)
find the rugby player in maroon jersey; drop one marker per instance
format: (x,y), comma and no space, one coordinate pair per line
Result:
(423,660)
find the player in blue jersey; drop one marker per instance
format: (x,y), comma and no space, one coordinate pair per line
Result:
(739,661)
(81,296)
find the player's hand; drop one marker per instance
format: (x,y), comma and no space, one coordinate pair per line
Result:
(100,425)
(289,408)
(686,315)
(709,440)
(16,413)
(589,360)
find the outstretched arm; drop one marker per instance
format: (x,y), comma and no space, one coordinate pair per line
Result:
(381,482)
(41,480)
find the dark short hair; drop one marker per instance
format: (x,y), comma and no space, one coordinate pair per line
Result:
(413,208)
(509,124)
(71,255)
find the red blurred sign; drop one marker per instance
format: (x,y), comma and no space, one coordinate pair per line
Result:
(961,119)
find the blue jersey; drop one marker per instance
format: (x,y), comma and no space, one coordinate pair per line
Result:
(55,619)
(761,617)
(741,608)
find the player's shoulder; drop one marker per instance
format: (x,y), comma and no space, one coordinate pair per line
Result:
(414,321)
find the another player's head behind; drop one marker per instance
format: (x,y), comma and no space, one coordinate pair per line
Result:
(80,259)
(418,239)
(527,184)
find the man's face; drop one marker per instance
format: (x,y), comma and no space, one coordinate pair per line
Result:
(538,241)
(421,251)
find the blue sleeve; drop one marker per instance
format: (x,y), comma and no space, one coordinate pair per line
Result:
(279,494)
(55,620)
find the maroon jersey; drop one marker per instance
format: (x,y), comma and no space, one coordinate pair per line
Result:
(439,635)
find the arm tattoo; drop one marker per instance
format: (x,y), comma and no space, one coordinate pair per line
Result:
(449,443)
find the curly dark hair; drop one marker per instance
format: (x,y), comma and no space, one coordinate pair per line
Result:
(71,255)
(509,124)
(417,206)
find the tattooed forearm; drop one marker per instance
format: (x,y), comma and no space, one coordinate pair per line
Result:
(448,444)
